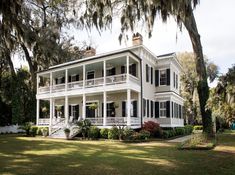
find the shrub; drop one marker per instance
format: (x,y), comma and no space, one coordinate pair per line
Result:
(39,131)
(113,133)
(198,127)
(168,134)
(188,129)
(180,131)
(104,133)
(94,132)
(33,131)
(153,128)
(84,127)
(26,127)
(144,135)
(127,133)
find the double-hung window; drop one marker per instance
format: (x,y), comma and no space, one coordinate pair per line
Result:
(163,77)
(162,109)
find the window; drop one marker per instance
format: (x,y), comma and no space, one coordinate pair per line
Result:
(144,107)
(176,81)
(151,75)
(151,108)
(147,73)
(162,109)
(110,110)
(147,108)
(111,71)
(163,77)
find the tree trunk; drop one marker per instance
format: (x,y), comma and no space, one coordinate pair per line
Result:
(31,66)
(202,88)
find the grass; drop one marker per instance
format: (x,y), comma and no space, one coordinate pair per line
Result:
(26,155)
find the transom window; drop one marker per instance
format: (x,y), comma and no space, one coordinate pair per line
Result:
(162,109)
(163,77)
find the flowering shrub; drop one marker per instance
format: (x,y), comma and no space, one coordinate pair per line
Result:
(153,128)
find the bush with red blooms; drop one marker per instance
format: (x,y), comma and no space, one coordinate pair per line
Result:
(153,128)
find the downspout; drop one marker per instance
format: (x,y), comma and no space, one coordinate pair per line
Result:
(141,91)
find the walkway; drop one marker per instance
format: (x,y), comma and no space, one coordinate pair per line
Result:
(180,139)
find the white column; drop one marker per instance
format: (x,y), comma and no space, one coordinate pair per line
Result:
(104,72)
(84,76)
(38,108)
(66,79)
(105,108)
(66,111)
(139,105)
(84,106)
(127,68)
(37,82)
(128,107)
(51,115)
(51,80)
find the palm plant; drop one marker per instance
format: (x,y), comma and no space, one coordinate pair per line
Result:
(84,126)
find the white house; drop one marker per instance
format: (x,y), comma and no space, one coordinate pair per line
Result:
(123,87)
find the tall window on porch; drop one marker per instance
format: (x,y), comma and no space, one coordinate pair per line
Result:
(110,110)
(162,109)
(133,108)
(132,69)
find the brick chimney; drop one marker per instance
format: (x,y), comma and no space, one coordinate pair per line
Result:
(89,51)
(137,39)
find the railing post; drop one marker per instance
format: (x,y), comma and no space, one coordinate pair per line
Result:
(105,108)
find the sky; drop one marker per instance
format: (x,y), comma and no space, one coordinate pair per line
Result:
(216,25)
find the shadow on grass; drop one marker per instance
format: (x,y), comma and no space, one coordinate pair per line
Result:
(22,155)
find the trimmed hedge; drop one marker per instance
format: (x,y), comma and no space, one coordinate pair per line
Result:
(94,132)
(104,133)
(113,133)
(177,131)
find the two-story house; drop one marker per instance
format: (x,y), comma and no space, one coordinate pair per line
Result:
(123,87)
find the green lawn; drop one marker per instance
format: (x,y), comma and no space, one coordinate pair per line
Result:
(25,155)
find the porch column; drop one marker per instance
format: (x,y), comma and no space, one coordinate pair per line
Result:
(84,75)
(37,82)
(66,111)
(104,72)
(105,108)
(84,106)
(38,108)
(128,107)
(51,82)
(127,68)
(66,79)
(139,105)
(51,115)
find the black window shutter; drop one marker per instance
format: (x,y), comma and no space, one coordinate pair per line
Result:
(70,110)
(122,69)
(148,108)
(168,74)
(147,73)
(144,102)
(135,108)
(102,111)
(113,71)
(77,77)
(156,77)
(134,69)
(151,75)
(172,109)
(168,109)
(77,111)
(156,109)
(62,111)
(174,79)
(63,80)
(56,81)
(123,108)
(151,108)
(70,78)
(180,111)
(55,112)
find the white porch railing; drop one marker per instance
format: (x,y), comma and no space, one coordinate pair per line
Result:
(45,89)
(135,121)
(110,80)
(75,85)
(96,121)
(115,79)
(58,121)
(58,87)
(116,120)
(43,121)
(177,121)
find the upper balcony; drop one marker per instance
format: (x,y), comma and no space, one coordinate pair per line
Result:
(90,75)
